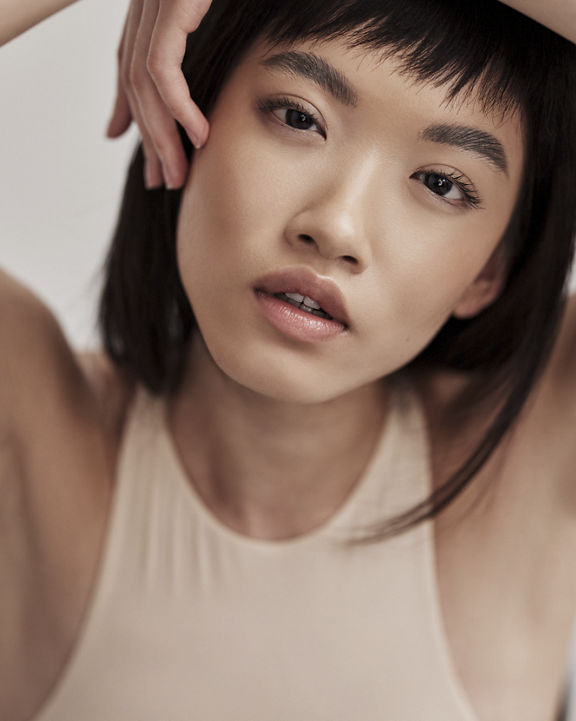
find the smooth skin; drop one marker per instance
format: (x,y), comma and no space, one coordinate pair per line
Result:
(505,564)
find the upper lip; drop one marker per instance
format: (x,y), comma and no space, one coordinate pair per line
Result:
(304,281)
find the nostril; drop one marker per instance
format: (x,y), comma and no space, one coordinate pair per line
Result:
(350,259)
(306,238)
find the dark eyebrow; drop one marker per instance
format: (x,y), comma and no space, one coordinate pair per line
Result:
(314,68)
(470,139)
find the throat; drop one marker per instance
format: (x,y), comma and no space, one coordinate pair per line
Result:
(269,468)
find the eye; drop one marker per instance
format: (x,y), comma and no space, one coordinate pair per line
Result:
(292,114)
(295,118)
(451,187)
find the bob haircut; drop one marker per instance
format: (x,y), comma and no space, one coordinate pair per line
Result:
(511,64)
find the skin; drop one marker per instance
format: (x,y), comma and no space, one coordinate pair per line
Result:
(263,196)
(20,15)
(251,396)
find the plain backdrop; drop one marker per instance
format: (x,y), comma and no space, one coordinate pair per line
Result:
(60,178)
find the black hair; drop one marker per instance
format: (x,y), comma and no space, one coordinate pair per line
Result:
(511,64)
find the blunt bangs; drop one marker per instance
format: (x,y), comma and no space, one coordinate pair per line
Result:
(470,47)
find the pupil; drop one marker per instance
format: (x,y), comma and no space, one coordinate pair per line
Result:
(438,184)
(298,119)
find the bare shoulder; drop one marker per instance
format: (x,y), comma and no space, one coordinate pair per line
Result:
(61,416)
(560,372)
(42,374)
(546,430)
(36,362)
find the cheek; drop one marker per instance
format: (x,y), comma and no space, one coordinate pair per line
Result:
(234,189)
(420,288)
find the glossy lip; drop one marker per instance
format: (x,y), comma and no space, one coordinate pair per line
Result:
(304,281)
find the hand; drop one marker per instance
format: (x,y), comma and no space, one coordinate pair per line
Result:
(558,15)
(152,90)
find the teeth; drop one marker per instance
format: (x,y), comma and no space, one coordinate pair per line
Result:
(295,296)
(311,303)
(306,303)
(298,298)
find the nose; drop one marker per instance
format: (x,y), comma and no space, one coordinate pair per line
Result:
(333,218)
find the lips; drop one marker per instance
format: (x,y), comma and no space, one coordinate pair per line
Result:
(306,283)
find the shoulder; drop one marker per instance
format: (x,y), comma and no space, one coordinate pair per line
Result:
(60,421)
(40,370)
(543,439)
(59,410)
(561,369)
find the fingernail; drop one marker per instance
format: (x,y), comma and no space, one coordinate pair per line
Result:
(198,140)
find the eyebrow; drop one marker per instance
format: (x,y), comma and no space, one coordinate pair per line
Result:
(470,139)
(326,76)
(312,67)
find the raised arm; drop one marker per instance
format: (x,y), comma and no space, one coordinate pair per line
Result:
(558,15)
(20,15)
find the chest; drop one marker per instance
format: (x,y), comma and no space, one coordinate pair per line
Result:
(480,627)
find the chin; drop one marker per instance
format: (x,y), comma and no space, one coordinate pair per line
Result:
(280,376)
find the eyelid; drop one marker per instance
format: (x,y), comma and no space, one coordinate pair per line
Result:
(471,197)
(267,105)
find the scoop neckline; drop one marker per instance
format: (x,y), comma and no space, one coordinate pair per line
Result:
(331,529)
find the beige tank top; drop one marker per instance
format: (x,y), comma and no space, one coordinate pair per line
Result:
(191,621)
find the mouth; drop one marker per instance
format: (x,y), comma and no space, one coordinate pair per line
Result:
(302,305)
(313,294)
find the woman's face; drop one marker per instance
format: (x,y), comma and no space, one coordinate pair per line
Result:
(330,175)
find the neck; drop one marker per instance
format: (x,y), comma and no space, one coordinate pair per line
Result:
(266,468)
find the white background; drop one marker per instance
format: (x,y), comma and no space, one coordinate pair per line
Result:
(60,178)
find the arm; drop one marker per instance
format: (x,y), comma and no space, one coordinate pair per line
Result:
(558,15)
(20,15)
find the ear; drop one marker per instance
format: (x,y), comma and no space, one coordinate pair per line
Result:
(485,288)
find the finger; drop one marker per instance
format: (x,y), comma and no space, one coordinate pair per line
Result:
(128,82)
(186,14)
(173,89)
(160,128)
(121,115)
(163,133)
(167,48)
(153,174)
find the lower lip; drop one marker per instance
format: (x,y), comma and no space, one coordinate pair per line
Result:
(296,323)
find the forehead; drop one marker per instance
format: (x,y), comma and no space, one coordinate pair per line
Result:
(378,84)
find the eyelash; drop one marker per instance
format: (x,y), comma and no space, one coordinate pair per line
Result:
(269,106)
(471,197)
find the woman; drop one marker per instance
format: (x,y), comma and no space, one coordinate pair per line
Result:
(328,473)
